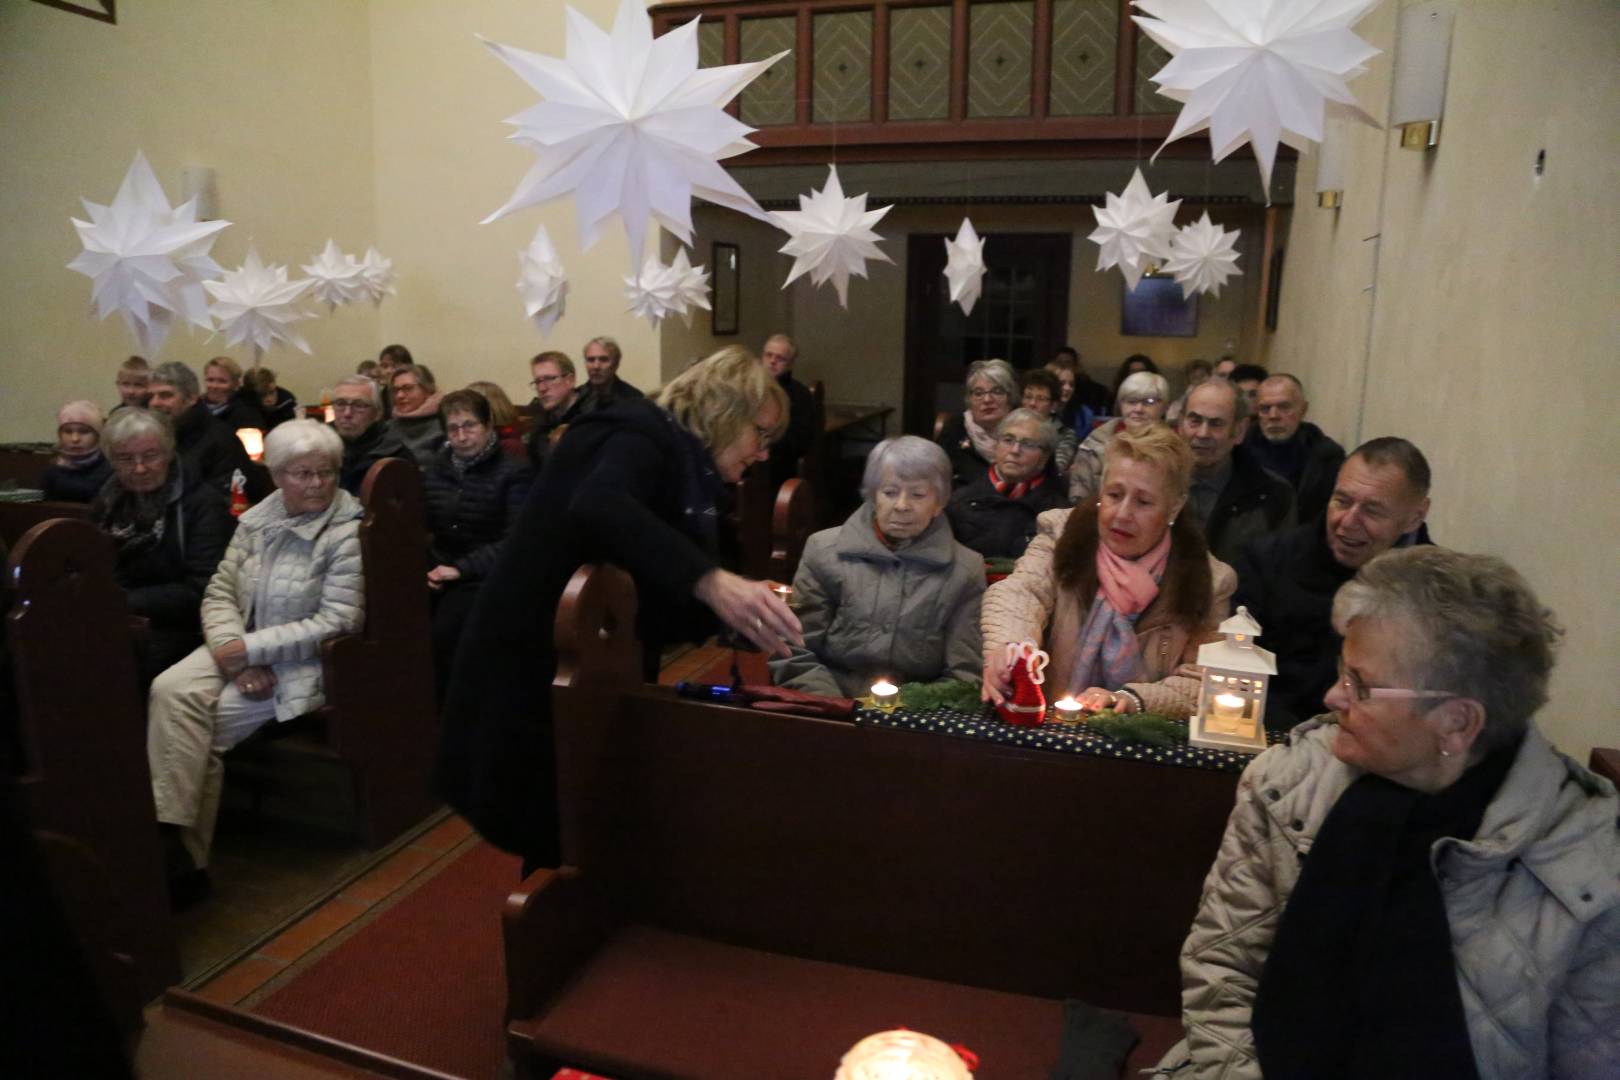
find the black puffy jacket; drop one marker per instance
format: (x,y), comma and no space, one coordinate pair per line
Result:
(469,513)
(997,527)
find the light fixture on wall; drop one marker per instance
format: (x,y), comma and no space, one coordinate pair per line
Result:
(1422,56)
(197,182)
(1330,164)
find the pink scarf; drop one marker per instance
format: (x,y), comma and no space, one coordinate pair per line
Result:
(1131,584)
(1107,653)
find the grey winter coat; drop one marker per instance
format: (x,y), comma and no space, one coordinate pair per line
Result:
(285,586)
(1533,902)
(906,615)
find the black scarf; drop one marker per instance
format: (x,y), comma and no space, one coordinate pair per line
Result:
(1360,981)
(134,520)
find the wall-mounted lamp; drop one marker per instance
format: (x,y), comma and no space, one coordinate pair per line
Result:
(197,182)
(1422,56)
(1330,164)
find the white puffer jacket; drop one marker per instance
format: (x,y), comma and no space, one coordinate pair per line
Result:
(284,586)
(1533,902)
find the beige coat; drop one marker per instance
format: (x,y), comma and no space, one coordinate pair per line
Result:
(1030,605)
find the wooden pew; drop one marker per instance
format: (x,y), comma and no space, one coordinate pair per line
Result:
(792,521)
(16,518)
(25,464)
(82,773)
(868,877)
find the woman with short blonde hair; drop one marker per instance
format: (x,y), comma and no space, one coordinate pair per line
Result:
(716,399)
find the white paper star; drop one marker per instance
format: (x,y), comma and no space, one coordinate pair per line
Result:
(629,125)
(1134,228)
(831,237)
(255,303)
(336,279)
(1203,256)
(379,276)
(964,266)
(542,283)
(1257,71)
(660,291)
(147,260)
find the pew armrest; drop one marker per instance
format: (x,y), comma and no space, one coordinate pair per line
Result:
(1605,761)
(552,924)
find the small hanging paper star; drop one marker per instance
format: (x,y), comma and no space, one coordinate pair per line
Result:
(964,266)
(660,291)
(831,237)
(1203,256)
(541,282)
(379,276)
(1133,228)
(256,303)
(337,280)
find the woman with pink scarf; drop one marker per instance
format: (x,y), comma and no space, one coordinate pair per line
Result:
(1120,591)
(80,468)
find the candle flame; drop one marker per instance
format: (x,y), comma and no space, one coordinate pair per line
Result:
(884,688)
(252,440)
(1229,701)
(1067,703)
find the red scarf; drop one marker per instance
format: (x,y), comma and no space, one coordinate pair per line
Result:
(1018,490)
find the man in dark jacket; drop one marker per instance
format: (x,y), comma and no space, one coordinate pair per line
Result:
(557,403)
(603,387)
(1292,447)
(779,354)
(367,438)
(1288,579)
(995,513)
(1233,497)
(210,451)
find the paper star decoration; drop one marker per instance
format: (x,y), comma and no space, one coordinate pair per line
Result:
(1257,71)
(336,279)
(1133,229)
(542,283)
(256,303)
(831,237)
(964,266)
(146,260)
(660,291)
(628,124)
(379,276)
(1202,257)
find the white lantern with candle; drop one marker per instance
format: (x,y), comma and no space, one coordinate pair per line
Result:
(1232,700)
(902,1055)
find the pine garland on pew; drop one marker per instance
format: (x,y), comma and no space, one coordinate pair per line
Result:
(1149,729)
(945,694)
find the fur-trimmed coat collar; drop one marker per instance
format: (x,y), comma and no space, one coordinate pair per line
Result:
(1184,592)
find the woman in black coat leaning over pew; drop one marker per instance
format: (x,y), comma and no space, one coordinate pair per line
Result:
(636,485)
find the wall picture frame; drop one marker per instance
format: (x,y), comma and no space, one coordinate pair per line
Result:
(725,259)
(1156,308)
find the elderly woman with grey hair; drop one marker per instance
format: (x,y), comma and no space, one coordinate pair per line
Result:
(1143,400)
(290,579)
(890,593)
(1462,887)
(969,438)
(995,514)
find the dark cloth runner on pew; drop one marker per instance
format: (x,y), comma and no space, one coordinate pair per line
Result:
(1096,1043)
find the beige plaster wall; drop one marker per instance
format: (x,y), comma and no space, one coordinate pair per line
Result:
(763,306)
(1491,335)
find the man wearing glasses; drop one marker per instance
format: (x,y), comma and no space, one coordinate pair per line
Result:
(557,402)
(357,416)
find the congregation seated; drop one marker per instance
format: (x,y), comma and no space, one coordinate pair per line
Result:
(209,449)
(779,354)
(1083,399)
(557,403)
(415,420)
(1247,378)
(1042,394)
(474,492)
(222,394)
(1288,579)
(134,384)
(1293,447)
(367,438)
(603,387)
(1134,364)
(995,514)
(889,593)
(503,418)
(290,579)
(969,438)
(1462,884)
(1233,497)
(390,358)
(80,468)
(1143,398)
(1195,373)
(1120,591)
(276,403)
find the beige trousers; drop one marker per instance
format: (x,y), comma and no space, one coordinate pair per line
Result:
(194,715)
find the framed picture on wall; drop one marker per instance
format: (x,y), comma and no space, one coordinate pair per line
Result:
(1156,308)
(726,260)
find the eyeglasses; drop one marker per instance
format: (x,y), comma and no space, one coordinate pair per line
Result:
(351,405)
(148,459)
(981,393)
(540,382)
(310,476)
(1141,401)
(1010,441)
(1360,692)
(465,425)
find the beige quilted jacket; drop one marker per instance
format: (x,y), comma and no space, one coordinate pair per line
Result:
(1533,902)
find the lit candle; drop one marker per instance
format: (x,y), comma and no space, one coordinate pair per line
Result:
(885,694)
(252,441)
(783,593)
(331,413)
(1068,709)
(1229,701)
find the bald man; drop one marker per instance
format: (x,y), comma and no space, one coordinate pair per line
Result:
(1293,447)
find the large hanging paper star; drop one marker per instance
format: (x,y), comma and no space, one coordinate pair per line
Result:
(964,266)
(379,276)
(660,291)
(1203,256)
(542,283)
(256,303)
(336,279)
(1133,228)
(831,237)
(1257,71)
(628,124)
(147,260)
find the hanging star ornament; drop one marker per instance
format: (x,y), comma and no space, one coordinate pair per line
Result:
(336,280)
(964,266)
(378,274)
(146,260)
(542,283)
(1202,257)
(831,237)
(1257,71)
(660,291)
(255,305)
(628,124)
(1133,229)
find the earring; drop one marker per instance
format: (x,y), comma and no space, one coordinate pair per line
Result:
(1444,752)
(1099,504)
(1172,523)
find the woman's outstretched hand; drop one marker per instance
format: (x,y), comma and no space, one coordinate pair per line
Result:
(996,684)
(753,610)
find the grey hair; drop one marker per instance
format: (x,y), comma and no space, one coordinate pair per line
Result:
(910,458)
(1473,626)
(177,375)
(1045,430)
(998,372)
(295,438)
(1240,400)
(360,380)
(126,424)
(1144,384)
(792,345)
